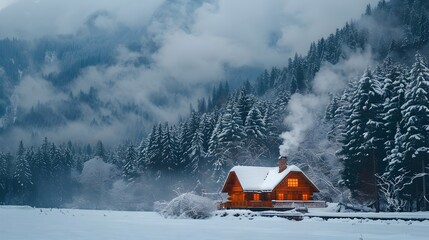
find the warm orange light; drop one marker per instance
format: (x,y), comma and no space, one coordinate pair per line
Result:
(237,197)
(280,196)
(304,196)
(256,197)
(292,182)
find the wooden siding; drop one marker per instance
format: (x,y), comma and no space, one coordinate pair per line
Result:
(232,184)
(294,193)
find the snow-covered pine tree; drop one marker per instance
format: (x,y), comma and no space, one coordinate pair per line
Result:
(394,179)
(257,138)
(394,89)
(232,137)
(55,156)
(332,107)
(45,161)
(254,125)
(141,154)
(65,178)
(130,170)
(185,139)
(415,123)
(196,153)
(213,152)
(22,175)
(363,139)
(4,176)
(207,125)
(342,112)
(243,105)
(119,155)
(168,155)
(153,150)
(99,150)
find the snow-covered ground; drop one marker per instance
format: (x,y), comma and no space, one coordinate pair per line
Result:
(48,224)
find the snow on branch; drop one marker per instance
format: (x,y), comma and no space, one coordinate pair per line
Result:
(392,188)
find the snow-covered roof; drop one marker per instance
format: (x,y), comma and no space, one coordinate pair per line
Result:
(263,179)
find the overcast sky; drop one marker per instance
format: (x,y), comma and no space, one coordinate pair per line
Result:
(204,35)
(284,24)
(196,39)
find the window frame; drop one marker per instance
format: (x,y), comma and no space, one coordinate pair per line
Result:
(305,196)
(280,196)
(256,197)
(292,182)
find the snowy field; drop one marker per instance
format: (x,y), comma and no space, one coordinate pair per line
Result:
(54,224)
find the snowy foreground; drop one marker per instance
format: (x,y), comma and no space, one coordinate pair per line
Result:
(48,224)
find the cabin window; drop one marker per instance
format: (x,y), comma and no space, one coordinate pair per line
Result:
(236,197)
(256,197)
(304,196)
(280,196)
(292,182)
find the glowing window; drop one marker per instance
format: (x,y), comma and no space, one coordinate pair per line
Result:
(304,196)
(256,197)
(292,182)
(237,197)
(280,196)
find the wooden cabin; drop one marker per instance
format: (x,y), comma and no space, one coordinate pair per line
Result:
(282,187)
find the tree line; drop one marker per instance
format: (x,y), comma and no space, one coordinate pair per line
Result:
(382,122)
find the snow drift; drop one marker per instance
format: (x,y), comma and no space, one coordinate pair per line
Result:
(187,205)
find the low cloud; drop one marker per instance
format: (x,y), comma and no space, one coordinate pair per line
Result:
(31,19)
(32,91)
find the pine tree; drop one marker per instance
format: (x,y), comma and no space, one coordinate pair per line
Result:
(232,129)
(45,161)
(130,170)
(119,155)
(243,105)
(62,163)
(4,178)
(168,154)
(185,139)
(332,108)
(214,139)
(207,125)
(214,156)
(153,151)
(141,153)
(196,152)
(254,125)
(100,151)
(56,160)
(363,142)
(22,175)
(393,176)
(415,123)
(394,89)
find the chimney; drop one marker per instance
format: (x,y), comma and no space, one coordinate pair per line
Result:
(282,163)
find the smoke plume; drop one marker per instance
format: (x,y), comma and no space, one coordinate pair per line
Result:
(305,110)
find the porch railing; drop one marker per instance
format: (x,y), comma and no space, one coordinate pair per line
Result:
(247,204)
(274,204)
(298,203)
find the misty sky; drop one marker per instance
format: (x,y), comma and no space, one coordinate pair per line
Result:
(241,25)
(195,40)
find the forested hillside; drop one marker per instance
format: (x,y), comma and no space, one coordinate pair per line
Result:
(365,145)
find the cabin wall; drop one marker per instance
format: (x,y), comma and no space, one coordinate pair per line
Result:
(303,191)
(234,189)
